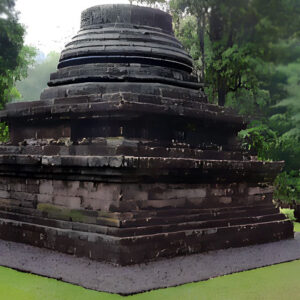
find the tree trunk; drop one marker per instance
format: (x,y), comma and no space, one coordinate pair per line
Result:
(222,91)
(216,34)
(200,31)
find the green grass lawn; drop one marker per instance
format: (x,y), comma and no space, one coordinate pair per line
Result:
(275,282)
(296,227)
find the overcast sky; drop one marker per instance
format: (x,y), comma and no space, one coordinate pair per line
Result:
(50,24)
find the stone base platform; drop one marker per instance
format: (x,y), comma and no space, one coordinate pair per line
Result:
(124,160)
(136,249)
(134,210)
(144,277)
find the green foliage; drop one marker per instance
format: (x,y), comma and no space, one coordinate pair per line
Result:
(14,57)
(269,145)
(234,45)
(288,187)
(289,213)
(188,36)
(31,87)
(291,103)
(4,133)
(261,139)
(278,136)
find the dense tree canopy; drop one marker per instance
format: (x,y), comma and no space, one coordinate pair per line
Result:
(14,56)
(232,40)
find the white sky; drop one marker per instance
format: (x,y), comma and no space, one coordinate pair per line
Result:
(50,24)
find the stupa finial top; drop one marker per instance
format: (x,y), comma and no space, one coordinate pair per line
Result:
(98,16)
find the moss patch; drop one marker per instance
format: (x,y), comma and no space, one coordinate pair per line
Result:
(62,213)
(82,216)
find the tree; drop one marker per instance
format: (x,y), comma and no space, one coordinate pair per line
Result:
(14,56)
(240,35)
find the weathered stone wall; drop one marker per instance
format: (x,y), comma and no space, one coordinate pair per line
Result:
(131,222)
(126,197)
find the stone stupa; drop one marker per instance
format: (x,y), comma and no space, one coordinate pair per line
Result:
(124,160)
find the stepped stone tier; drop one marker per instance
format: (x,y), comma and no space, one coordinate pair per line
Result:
(124,160)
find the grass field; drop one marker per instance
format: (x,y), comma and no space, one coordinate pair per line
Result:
(276,282)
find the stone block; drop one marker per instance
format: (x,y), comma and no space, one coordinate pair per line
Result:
(4,194)
(44,198)
(242,188)
(88,186)
(9,202)
(65,188)
(175,203)
(98,161)
(81,192)
(4,187)
(46,187)
(68,202)
(22,196)
(196,201)
(251,199)
(218,192)
(51,160)
(254,191)
(268,190)
(97,204)
(178,193)
(260,190)
(32,188)
(17,187)
(134,192)
(29,181)
(107,192)
(28,204)
(225,200)
(3,180)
